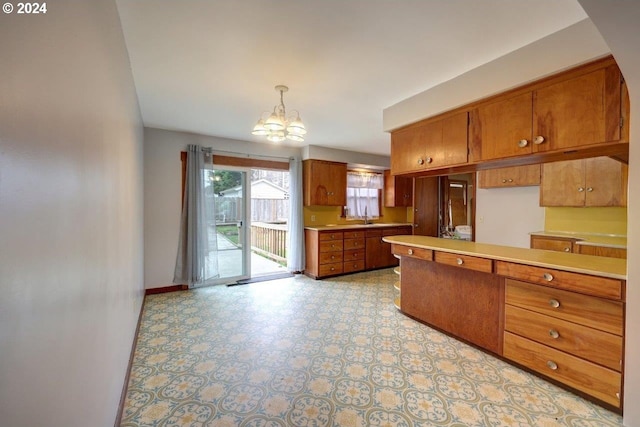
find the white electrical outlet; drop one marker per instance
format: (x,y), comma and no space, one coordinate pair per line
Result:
(313,218)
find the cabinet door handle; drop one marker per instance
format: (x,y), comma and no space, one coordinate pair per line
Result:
(510,180)
(420,161)
(554,334)
(589,189)
(410,251)
(580,189)
(567,249)
(459,261)
(552,365)
(539,140)
(554,303)
(429,160)
(504,181)
(332,269)
(547,276)
(523,143)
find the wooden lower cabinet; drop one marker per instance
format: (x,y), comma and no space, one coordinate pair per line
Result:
(462,302)
(559,244)
(601,251)
(331,253)
(565,326)
(567,244)
(590,378)
(572,338)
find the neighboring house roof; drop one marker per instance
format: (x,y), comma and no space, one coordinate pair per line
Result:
(260,189)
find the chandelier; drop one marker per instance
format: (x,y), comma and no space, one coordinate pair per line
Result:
(277,127)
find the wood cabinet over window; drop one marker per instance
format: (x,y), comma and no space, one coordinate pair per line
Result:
(599,181)
(430,144)
(324,183)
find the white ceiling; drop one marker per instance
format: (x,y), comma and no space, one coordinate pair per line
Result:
(210,66)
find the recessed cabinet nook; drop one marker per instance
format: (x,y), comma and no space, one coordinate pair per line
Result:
(558,312)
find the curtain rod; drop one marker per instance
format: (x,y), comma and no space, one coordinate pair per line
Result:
(210,150)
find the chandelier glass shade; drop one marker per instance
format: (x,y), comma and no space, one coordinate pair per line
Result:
(276,126)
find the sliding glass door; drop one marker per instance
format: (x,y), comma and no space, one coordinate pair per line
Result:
(226,212)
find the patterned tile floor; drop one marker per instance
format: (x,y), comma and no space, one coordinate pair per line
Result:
(300,352)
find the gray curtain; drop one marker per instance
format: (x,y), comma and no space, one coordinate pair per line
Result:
(295,241)
(197,260)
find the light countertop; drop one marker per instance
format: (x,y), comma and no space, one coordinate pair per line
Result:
(338,227)
(614,268)
(605,240)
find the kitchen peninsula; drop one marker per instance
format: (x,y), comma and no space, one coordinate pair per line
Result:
(558,314)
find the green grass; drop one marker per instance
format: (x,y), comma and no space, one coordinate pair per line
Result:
(229,231)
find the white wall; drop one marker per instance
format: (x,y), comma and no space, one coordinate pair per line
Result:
(618,23)
(71,284)
(162,192)
(506,216)
(575,44)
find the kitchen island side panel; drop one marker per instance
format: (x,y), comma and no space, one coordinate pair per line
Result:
(464,303)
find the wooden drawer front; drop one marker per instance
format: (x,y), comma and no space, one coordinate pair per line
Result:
(552,244)
(331,235)
(597,313)
(330,257)
(331,246)
(354,234)
(583,283)
(396,231)
(353,254)
(597,346)
(353,244)
(351,266)
(426,254)
(465,261)
(330,269)
(599,382)
(601,251)
(373,233)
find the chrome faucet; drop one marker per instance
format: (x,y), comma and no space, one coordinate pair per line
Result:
(366,220)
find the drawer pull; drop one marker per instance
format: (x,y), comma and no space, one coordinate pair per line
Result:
(552,365)
(547,276)
(410,251)
(539,140)
(523,143)
(333,269)
(567,249)
(459,261)
(333,257)
(355,243)
(618,395)
(554,334)
(420,161)
(333,236)
(355,265)
(554,303)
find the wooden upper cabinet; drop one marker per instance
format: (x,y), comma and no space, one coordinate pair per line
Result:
(599,181)
(583,107)
(501,129)
(398,190)
(581,111)
(517,176)
(325,183)
(430,144)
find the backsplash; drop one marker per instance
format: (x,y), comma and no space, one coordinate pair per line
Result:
(587,220)
(330,215)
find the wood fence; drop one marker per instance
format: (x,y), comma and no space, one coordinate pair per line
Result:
(269,240)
